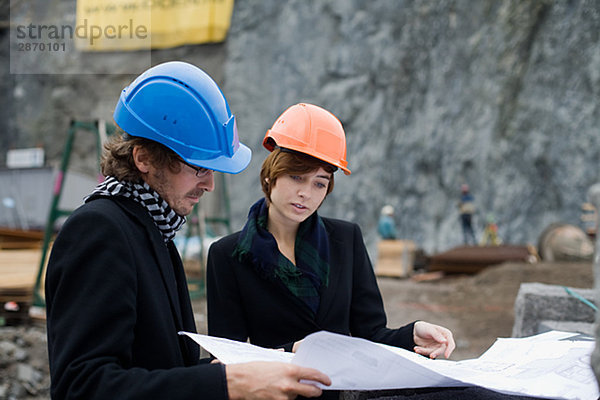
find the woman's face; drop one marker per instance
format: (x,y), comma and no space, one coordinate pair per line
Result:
(294,198)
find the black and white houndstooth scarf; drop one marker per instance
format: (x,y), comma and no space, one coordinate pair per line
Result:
(167,220)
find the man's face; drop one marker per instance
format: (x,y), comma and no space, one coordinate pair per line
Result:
(181,190)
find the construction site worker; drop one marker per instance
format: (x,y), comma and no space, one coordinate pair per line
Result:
(490,233)
(386,226)
(291,272)
(466,207)
(116,289)
(589,216)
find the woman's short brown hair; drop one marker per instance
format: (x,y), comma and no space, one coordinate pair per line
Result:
(117,158)
(283,162)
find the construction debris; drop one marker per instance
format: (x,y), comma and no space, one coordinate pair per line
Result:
(24,372)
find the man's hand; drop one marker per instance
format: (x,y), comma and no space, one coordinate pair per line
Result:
(272,381)
(432,340)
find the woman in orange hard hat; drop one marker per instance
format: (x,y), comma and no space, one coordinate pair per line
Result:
(291,272)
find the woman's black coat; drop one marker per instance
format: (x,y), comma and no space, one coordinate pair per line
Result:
(242,304)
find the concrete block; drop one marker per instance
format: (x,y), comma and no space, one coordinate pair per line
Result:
(538,302)
(585,328)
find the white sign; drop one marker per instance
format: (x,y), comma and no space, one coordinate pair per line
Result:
(25,158)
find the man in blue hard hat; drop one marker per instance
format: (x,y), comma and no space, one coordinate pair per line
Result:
(116,290)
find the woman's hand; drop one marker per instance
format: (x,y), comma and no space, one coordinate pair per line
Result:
(432,340)
(295,346)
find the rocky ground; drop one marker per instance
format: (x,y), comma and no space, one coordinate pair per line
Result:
(24,363)
(477,308)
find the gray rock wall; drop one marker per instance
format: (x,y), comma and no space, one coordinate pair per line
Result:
(499,94)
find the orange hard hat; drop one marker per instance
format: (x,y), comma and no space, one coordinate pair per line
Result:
(311,130)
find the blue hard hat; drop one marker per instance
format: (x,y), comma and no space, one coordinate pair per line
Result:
(180,106)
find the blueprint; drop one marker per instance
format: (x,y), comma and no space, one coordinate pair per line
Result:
(551,365)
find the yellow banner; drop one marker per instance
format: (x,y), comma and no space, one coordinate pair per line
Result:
(117,25)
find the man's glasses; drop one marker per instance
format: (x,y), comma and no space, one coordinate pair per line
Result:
(200,172)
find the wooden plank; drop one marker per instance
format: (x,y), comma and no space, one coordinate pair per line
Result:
(19,244)
(18,268)
(472,259)
(22,234)
(395,258)
(20,239)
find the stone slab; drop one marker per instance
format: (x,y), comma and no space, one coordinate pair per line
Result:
(585,328)
(538,302)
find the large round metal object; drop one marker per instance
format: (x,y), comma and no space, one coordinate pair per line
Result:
(564,242)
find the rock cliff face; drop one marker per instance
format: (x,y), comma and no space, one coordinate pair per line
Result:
(502,95)
(499,94)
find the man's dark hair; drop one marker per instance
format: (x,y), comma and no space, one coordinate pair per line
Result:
(117,158)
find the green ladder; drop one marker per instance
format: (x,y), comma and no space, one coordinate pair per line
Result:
(102,130)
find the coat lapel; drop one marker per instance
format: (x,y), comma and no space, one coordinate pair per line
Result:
(336,264)
(161,253)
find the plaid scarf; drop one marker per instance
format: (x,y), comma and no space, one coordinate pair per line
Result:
(311,272)
(167,221)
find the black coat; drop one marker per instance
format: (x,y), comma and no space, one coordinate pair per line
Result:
(242,304)
(116,297)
